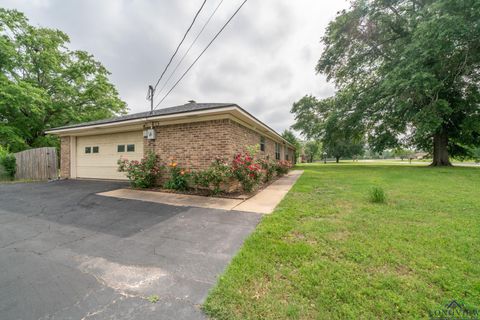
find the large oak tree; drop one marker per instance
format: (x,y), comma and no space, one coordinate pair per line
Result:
(407,72)
(43,84)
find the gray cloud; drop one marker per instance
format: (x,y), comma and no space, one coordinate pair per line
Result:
(264,60)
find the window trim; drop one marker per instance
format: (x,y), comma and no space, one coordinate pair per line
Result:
(277,151)
(262,143)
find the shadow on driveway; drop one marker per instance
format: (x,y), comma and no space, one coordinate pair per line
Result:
(68,253)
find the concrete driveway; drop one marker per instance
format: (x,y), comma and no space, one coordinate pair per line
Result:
(67,253)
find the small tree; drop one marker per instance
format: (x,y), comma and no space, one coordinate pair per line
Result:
(402,153)
(290,137)
(312,150)
(343,148)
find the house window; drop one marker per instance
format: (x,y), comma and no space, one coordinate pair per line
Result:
(262,143)
(121,148)
(88,149)
(286,156)
(130,148)
(95,149)
(277,151)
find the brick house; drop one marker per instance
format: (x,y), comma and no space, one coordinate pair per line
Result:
(193,135)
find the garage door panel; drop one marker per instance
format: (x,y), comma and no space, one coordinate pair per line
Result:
(103,165)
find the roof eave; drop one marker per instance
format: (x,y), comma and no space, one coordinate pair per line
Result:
(218,110)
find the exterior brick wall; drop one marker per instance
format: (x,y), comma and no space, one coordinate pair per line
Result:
(195,145)
(192,145)
(64,157)
(243,136)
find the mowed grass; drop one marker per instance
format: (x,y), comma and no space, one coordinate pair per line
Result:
(327,252)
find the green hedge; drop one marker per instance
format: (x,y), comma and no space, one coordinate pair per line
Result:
(8,164)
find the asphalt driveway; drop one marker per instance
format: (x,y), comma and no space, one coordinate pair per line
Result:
(67,253)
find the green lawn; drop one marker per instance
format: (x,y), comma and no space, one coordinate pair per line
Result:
(328,253)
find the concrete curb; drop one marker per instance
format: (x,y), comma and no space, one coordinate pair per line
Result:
(263,202)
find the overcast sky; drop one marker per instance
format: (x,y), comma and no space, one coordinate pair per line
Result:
(263,61)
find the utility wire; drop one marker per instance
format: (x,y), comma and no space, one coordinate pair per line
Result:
(193,63)
(178,47)
(189,48)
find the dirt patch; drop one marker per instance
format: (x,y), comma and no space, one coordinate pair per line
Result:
(341,235)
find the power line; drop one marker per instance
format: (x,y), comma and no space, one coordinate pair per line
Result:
(178,47)
(189,48)
(193,63)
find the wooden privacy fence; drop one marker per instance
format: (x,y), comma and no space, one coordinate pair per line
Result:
(37,164)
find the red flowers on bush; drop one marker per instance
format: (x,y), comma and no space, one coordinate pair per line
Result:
(142,174)
(246,171)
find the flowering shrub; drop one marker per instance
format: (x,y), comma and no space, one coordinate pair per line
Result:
(246,171)
(218,173)
(178,177)
(269,168)
(212,178)
(282,167)
(142,174)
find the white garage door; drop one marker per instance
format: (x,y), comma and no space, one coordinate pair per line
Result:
(97,156)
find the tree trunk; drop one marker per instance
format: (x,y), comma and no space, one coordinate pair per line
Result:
(440,151)
(337,159)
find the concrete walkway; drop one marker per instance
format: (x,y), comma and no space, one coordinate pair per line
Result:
(174,199)
(266,200)
(263,202)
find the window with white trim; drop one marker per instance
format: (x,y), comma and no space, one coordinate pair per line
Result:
(277,151)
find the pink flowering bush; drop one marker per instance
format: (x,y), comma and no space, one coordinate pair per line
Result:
(246,171)
(143,173)
(282,167)
(269,169)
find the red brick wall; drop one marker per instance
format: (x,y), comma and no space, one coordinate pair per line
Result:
(242,136)
(195,145)
(64,157)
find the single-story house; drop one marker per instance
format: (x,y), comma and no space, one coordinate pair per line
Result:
(193,135)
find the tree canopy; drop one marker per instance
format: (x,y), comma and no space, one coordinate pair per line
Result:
(290,137)
(312,149)
(407,73)
(319,119)
(43,84)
